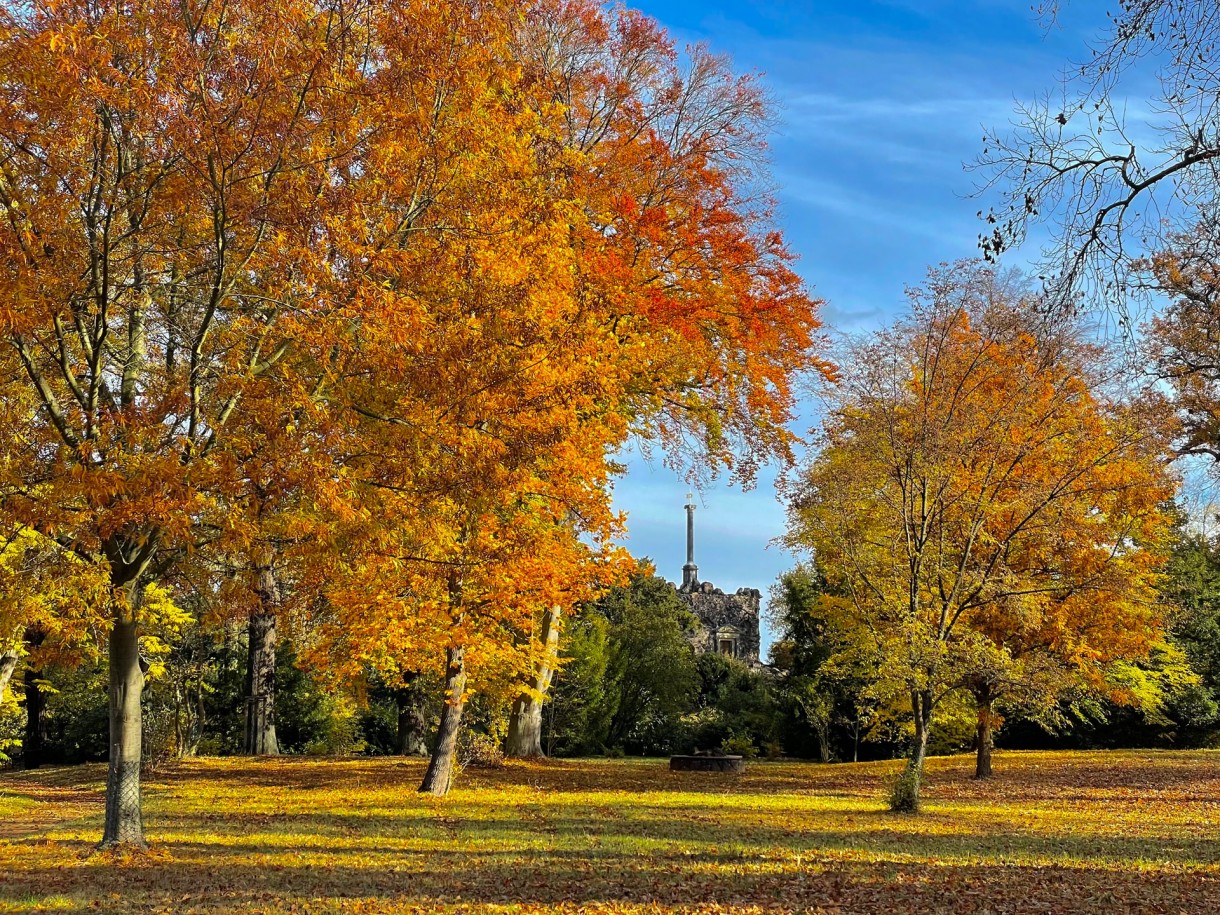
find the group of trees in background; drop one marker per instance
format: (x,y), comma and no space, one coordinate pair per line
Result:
(322,323)
(628,682)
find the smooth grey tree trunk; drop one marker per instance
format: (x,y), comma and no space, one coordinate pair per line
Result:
(8,665)
(524,738)
(124,824)
(439,776)
(260,668)
(412,724)
(984,737)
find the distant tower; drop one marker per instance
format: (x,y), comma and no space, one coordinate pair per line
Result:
(690,571)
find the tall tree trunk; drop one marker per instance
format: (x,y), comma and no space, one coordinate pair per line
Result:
(179,724)
(985,735)
(8,665)
(124,824)
(260,686)
(260,667)
(906,794)
(33,745)
(440,767)
(525,723)
(412,741)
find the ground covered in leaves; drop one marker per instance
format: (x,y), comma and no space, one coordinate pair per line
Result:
(1053,832)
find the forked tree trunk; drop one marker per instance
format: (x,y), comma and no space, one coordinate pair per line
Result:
(823,735)
(124,824)
(440,767)
(412,724)
(525,722)
(260,667)
(8,665)
(985,735)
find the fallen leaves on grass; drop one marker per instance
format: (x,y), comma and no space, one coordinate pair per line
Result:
(1053,832)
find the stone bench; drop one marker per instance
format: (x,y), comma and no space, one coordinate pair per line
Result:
(707,764)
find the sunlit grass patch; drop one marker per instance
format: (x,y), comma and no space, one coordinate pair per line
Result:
(1065,832)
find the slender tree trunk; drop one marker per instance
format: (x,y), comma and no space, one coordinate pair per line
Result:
(906,795)
(124,824)
(440,767)
(525,723)
(985,737)
(8,665)
(412,724)
(855,746)
(823,734)
(200,716)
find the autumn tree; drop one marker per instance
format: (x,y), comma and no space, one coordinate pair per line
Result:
(977,494)
(595,267)
(165,173)
(676,250)
(1110,182)
(1184,340)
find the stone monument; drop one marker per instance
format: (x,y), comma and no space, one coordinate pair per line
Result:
(730,623)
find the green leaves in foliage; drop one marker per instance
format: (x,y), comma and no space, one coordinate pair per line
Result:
(822,671)
(630,672)
(1192,582)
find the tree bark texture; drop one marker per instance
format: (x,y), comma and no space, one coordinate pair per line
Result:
(985,736)
(260,686)
(260,668)
(124,823)
(412,723)
(906,795)
(525,723)
(440,767)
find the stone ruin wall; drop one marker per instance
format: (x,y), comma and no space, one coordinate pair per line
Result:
(718,610)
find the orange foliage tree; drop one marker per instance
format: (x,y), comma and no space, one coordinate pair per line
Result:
(590,269)
(1184,341)
(164,171)
(986,510)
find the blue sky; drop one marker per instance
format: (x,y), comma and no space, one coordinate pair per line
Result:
(880,104)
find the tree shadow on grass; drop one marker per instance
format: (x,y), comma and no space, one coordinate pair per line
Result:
(433,881)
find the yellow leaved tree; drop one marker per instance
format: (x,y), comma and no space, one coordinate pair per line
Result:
(995,518)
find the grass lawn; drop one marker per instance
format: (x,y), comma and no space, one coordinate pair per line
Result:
(1053,832)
